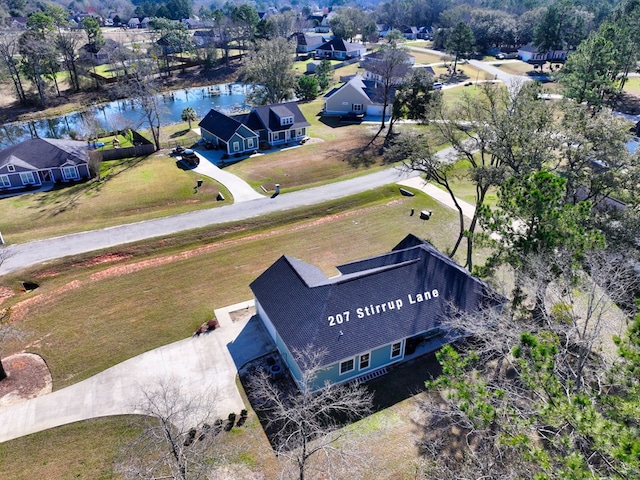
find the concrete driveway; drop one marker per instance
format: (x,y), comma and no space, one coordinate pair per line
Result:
(240,190)
(203,366)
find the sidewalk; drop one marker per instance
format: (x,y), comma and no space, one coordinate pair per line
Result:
(438,194)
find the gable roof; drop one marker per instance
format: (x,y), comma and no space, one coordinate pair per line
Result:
(43,153)
(426,68)
(381,294)
(268,117)
(221,125)
(307,39)
(366,88)
(339,45)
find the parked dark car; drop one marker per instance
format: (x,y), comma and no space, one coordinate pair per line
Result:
(190,158)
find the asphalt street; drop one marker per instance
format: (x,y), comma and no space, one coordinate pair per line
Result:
(31,253)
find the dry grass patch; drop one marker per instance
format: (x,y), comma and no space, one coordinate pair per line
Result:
(425,58)
(515,68)
(314,163)
(84,321)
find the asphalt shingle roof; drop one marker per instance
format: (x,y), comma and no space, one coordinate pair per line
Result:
(43,153)
(221,125)
(268,117)
(388,297)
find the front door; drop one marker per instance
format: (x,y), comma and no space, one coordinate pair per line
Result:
(45,176)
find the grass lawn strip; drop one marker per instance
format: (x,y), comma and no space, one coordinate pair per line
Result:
(140,306)
(130,190)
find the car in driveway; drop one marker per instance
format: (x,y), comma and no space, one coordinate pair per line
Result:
(190,158)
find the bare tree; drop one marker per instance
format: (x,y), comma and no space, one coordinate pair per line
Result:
(389,70)
(179,437)
(9,51)
(307,422)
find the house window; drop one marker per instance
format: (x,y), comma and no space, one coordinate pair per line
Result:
(396,349)
(70,173)
(27,178)
(249,142)
(236,146)
(357,107)
(286,121)
(4,181)
(365,360)
(346,366)
(11,168)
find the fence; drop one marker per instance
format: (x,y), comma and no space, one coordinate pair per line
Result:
(141,146)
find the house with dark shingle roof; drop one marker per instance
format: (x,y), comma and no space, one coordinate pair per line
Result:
(274,125)
(339,49)
(228,133)
(39,161)
(377,312)
(279,123)
(307,43)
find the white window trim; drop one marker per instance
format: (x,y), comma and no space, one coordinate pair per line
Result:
(33,178)
(391,356)
(76,175)
(249,142)
(353,365)
(358,107)
(4,181)
(11,168)
(360,367)
(236,146)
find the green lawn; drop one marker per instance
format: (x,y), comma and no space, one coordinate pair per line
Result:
(632,85)
(168,300)
(130,190)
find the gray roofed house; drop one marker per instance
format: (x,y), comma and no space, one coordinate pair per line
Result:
(306,43)
(339,49)
(228,133)
(357,96)
(378,311)
(103,54)
(40,161)
(270,124)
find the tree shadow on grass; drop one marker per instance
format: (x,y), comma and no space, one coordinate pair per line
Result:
(63,198)
(179,133)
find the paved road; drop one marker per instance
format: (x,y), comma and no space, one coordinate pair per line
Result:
(26,254)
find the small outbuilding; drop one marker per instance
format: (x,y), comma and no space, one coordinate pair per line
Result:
(377,312)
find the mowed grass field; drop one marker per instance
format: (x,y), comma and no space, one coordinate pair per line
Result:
(130,190)
(87,316)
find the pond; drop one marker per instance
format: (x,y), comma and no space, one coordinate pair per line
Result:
(121,114)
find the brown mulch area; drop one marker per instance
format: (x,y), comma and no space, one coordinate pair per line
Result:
(28,377)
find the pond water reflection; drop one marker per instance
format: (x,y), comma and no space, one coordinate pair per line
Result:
(122,114)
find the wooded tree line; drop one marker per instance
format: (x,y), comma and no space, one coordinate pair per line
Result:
(546,387)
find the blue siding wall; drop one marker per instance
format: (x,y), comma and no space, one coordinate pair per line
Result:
(380,357)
